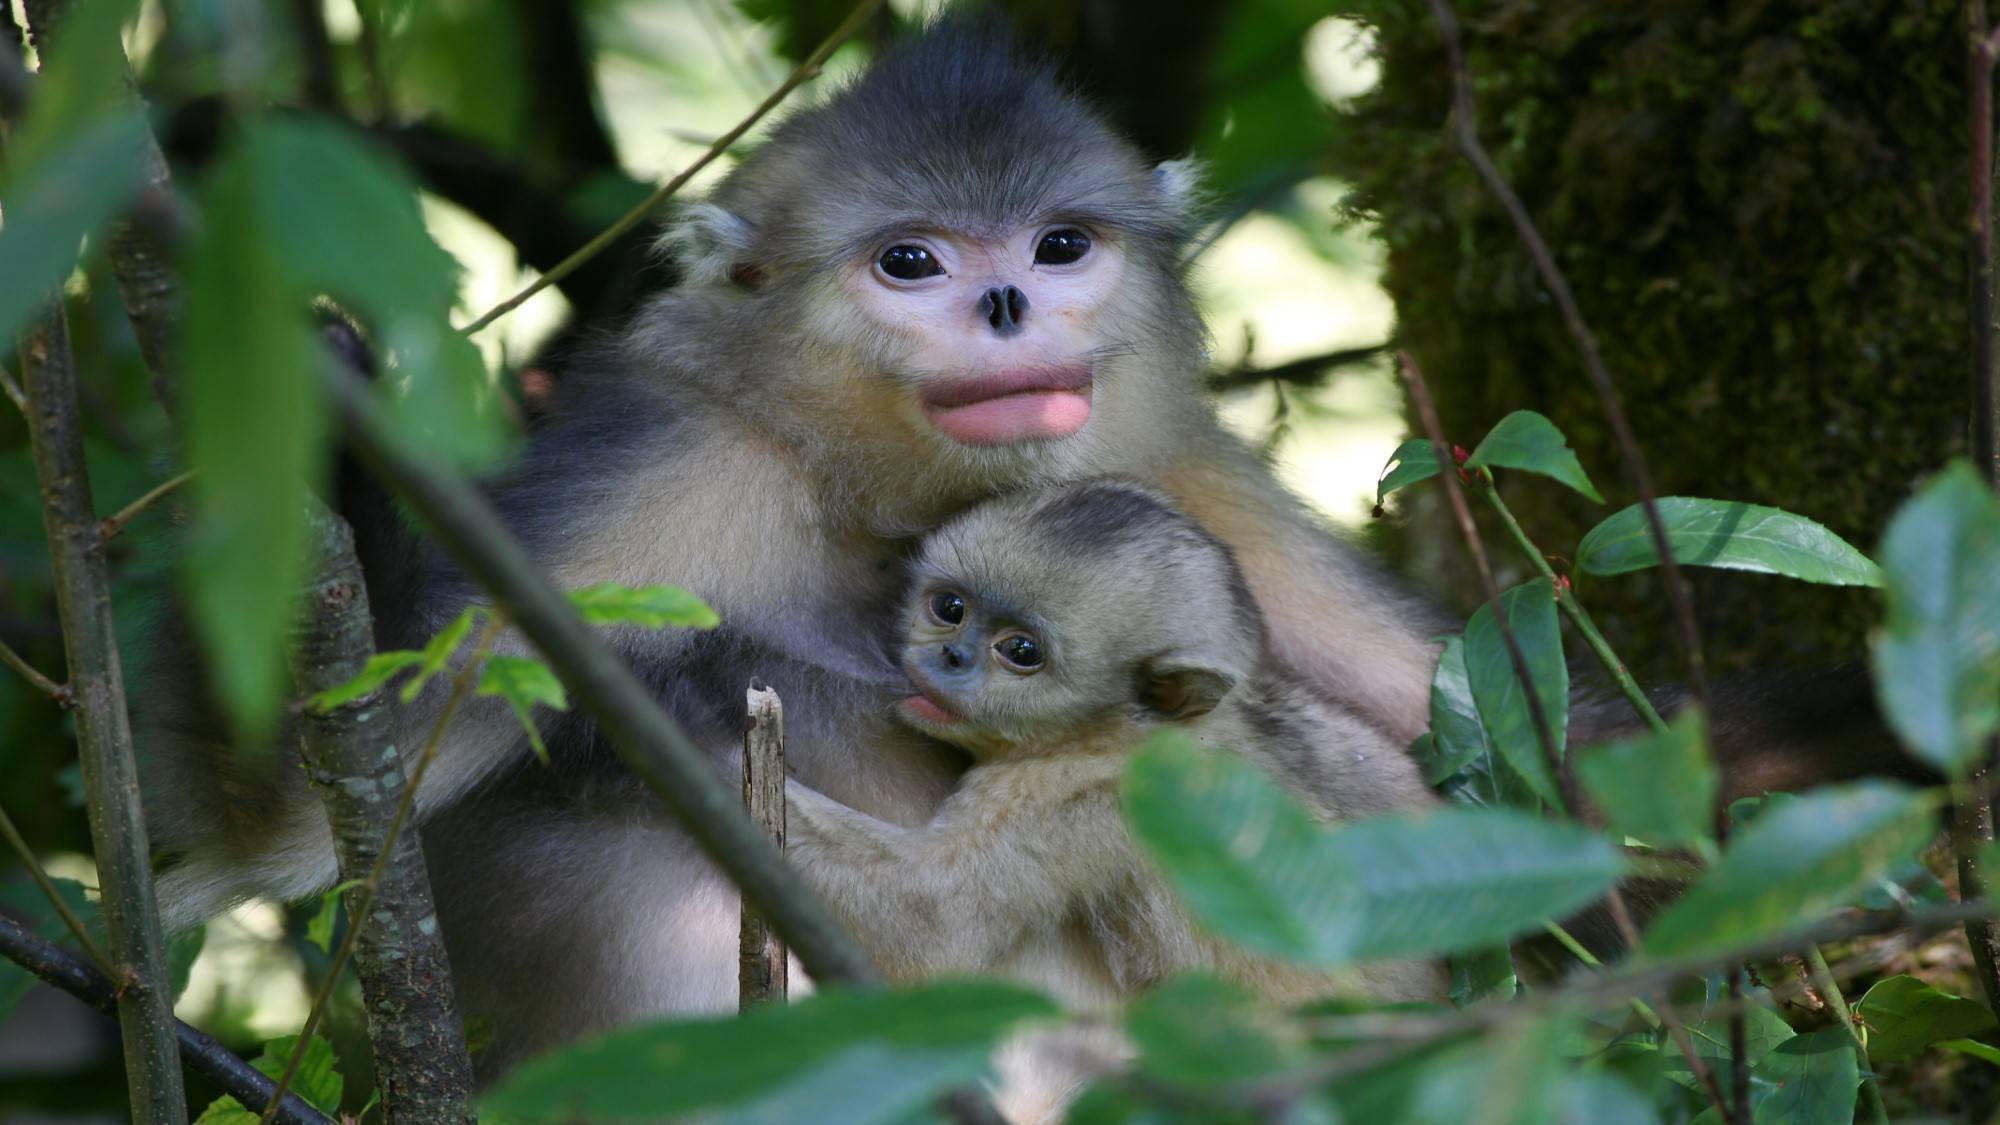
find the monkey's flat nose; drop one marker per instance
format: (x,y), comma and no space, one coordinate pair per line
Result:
(1003,308)
(954,657)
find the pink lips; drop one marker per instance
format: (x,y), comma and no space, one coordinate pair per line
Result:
(1010,406)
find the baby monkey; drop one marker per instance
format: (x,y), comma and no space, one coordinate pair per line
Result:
(1047,634)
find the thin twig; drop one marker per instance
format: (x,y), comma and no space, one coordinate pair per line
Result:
(647,739)
(62,969)
(1829,990)
(70,921)
(58,692)
(761,958)
(1309,371)
(13,389)
(1972,822)
(1465,121)
(109,527)
(364,896)
(1573,609)
(103,726)
(806,70)
(1420,397)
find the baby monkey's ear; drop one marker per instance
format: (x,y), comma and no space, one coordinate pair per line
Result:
(712,245)
(1183,685)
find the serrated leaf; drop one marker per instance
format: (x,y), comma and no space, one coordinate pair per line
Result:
(1253,866)
(654,607)
(1727,534)
(1530,442)
(1937,659)
(379,670)
(524,682)
(1813,1080)
(1795,861)
(1904,1015)
(439,650)
(1414,460)
(918,1037)
(1659,788)
(1496,689)
(1201,1031)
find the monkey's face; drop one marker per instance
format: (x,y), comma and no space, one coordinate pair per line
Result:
(995,336)
(987,678)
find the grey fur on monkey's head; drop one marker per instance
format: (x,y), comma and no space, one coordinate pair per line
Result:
(1129,607)
(979,134)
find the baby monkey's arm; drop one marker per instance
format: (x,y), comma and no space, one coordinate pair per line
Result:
(1014,851)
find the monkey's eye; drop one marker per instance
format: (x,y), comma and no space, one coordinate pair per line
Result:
(909,263)
(1061,247)
(1020,652)
(946,608)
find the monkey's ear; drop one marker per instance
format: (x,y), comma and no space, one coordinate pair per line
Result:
(712,245)
(1180,181)
(1179,685)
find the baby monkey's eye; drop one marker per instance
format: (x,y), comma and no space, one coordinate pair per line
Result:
(947,608)
(909,263)
(1021,652)
(1061,247)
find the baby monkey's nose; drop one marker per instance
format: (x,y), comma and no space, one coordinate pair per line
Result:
(1003,308)
(954,657)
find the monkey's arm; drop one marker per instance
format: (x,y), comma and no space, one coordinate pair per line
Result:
(1014,851)
(1332,617)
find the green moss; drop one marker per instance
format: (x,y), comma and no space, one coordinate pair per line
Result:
(1760,205)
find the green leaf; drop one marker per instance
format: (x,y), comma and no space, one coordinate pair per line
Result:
(1413,461)
(1727,534)
(1515,1079)
(1763,1031)
(1201,1031)
(1659,788)
(1503,705)
(252,416)
(318,1081)
(26,902)
(319,929)
(524,682)
(1904,1015)
(53,203)
(1527,441)
(439,650)
(1460,737)
(1591,1097)
(1482,975)
(1255,867)
(653,607)
(1937,659)
(379,669)
(1984,1051)
(921,1038)
(74,158)
(183,950)
(1795,861)
(1815,1077)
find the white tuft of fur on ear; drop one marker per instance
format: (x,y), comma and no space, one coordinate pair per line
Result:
(708,242)
(1180,181)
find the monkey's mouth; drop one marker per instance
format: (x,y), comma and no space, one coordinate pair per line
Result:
(925,706)
(1003,407)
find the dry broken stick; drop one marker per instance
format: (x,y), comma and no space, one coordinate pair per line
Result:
(761,954)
